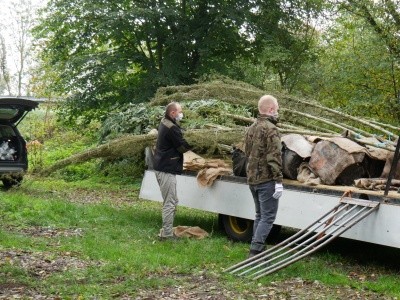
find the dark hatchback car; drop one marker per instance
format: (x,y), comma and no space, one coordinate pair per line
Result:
(13,152)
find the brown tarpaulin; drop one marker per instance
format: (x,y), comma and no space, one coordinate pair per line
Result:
(376,184)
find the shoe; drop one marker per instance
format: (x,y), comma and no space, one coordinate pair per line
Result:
(262,261)
(168,238)
(253,253)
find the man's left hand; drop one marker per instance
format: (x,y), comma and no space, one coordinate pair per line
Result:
(278,190)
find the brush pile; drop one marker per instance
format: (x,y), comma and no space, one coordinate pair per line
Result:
(338,147)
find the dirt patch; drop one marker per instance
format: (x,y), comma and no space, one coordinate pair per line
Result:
(39,265)
(17,291)
(203,287)
(48,232)
(116,198)
(42,264)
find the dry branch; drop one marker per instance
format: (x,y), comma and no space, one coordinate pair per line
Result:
(126,146)
(133,145)
(239,93)
(344,115)
(240,118)
(385,125)
(317,119)
(308,132)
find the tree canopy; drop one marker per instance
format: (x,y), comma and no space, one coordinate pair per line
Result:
(358,67)
(111,52)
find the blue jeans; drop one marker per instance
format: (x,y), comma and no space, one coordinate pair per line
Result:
(266,209)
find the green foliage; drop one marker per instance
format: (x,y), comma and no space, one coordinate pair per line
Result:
(131,118)
(107,53)
(37,127)
(77,172)
(141,118)
(356,74)
(383,17)
(125,169)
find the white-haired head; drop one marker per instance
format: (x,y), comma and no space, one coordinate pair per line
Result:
(268,105)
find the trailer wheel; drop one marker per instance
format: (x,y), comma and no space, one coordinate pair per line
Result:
(239,229)
(236,228)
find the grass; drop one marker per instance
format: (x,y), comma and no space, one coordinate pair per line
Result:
(107,246)
(118,241)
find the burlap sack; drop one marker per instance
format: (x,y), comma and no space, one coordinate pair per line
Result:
(376,184)
(190,232)
(207,176)
(306,175)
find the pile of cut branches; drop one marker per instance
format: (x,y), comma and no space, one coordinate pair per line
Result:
(217,113)
(295,113)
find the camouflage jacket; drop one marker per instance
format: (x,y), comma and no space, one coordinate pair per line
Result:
(263,150)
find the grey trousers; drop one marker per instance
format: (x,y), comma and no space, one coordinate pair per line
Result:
(266,209)
(167,183)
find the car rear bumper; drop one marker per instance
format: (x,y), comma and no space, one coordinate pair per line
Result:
(4,170)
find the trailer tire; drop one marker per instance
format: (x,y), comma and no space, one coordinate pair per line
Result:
(241,230)
(237,229)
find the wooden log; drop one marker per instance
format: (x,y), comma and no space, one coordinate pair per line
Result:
(240,118)
(385,125)
(132,145)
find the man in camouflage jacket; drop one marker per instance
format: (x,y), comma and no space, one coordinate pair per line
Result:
(264,170)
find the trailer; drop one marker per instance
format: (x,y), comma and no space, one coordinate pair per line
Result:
(299,206)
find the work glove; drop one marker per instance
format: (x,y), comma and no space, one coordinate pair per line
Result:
(278,190)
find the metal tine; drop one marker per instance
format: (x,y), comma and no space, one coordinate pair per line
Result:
(299,233)
(257,263)
(290,241)
(279,266)
(339,230)
(320,246)
(306,242)
(254,263)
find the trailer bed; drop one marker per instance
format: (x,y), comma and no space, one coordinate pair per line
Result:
(299,206)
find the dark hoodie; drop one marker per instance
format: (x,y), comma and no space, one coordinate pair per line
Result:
(170,147)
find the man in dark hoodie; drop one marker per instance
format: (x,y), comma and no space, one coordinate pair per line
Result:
(168,161)
(264,170)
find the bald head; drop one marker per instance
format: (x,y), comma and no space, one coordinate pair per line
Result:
(268,105)
(173,109)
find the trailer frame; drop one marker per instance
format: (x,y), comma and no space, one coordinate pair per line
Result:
(299,206)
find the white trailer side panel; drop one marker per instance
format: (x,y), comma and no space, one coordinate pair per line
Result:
(297,209)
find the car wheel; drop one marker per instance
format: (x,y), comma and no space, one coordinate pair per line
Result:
(11,181)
